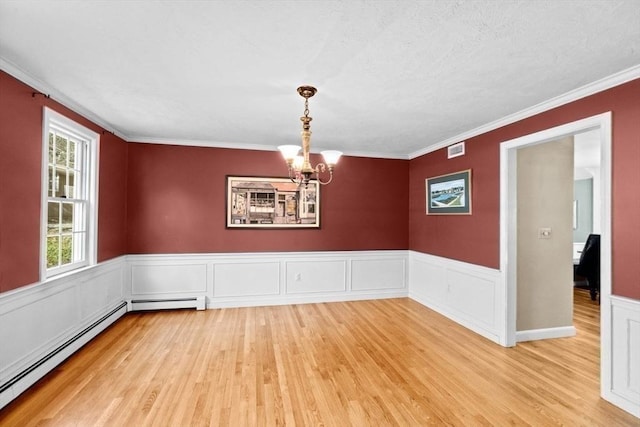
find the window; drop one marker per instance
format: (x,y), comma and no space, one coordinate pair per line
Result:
(69,183)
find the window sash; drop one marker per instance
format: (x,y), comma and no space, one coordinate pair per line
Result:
(69,212)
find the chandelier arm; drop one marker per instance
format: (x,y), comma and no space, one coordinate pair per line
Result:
(321,168)
(295,176)
(293,180)
(328,181)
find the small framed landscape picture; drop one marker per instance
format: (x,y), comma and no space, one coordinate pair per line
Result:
(449,194)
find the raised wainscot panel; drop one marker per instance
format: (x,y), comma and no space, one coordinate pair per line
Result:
(246,279)
(100,290)
(30,339)
(428,281)
(155,279)
(472,295)
(378,274)
(316,276)
(625,347)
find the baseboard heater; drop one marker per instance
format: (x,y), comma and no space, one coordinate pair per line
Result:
(41,367)
(199,303)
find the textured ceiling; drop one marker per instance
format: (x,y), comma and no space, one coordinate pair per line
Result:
(393,77)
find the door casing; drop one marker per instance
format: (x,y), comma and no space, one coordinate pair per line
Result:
(508,242)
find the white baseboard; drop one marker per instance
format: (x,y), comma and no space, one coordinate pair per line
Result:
(306,299)
(546,333)
(199,303)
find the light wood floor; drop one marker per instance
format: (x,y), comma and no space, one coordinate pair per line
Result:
(384,362)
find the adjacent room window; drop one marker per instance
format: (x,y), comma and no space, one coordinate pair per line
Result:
(69,195)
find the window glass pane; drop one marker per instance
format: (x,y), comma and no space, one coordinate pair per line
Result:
(66,249)
(67,217)
(78,159)
(52,187)
(69,192)
(72,154)
(58,184)
(53,251)
(61,150)
(53,218)
(66,190)
(69,189)
(50,147)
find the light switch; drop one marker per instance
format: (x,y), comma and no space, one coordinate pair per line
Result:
(544,233)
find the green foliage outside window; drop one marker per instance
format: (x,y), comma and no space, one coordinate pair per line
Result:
(55,249)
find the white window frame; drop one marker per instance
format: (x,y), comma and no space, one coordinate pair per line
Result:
(56,121)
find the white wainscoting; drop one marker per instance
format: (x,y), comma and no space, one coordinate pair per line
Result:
(165,281)
(255,279)
(465,293)
(44,323)
(623,388)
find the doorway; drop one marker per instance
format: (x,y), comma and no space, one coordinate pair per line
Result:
(586,210)
(508,226)
(544,261)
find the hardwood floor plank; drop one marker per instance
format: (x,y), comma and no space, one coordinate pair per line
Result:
(381,362)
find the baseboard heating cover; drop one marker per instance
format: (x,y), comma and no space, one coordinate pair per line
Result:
(27,377)
(199,303)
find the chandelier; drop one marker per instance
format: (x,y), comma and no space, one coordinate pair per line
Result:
(300,169)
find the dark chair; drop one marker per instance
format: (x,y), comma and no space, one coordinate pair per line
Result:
(589,265)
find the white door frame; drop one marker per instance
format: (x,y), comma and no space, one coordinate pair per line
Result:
(508,242)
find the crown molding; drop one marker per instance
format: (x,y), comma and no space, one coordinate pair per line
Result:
(15,71)
(259,147)
(377,155)
(200,143)
(574,95)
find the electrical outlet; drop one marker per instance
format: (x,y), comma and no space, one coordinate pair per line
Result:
(544,233)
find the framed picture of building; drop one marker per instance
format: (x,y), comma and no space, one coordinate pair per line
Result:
(449,194)
(262,202)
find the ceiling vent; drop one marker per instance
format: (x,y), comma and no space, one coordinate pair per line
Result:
(455,150)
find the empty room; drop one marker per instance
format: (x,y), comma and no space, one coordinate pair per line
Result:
(319,213)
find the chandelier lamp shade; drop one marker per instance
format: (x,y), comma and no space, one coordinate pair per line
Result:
(300,169)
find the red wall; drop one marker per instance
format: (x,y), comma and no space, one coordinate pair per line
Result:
(20,182)
(471,238)
(476,238)
(112,191)
(176,203)
(170,199)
